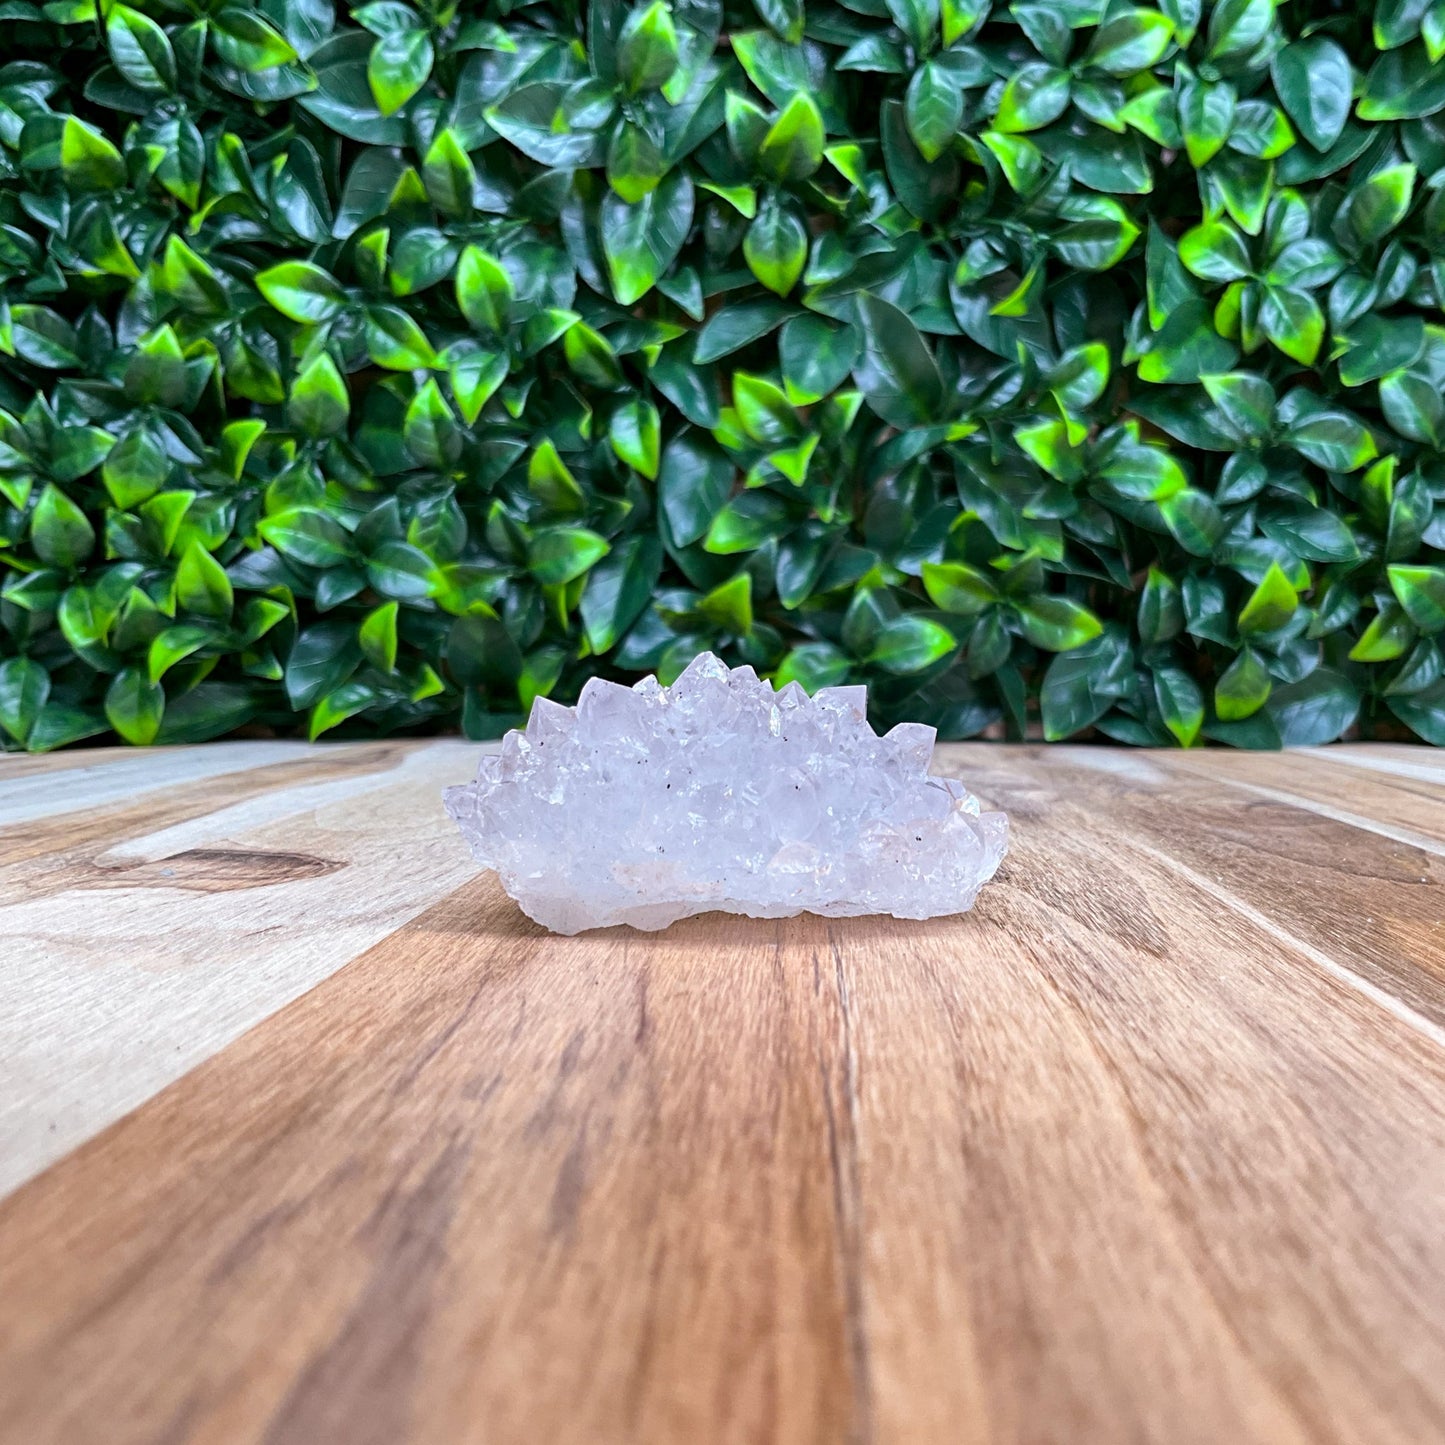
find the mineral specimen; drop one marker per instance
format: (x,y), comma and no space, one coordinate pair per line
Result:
(643,805)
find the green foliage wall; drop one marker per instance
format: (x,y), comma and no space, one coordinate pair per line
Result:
(1058,363)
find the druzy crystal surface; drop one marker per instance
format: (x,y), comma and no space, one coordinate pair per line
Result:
(642,805)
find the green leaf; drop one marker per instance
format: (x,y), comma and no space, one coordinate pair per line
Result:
(917,19)
(1315,84)
(202,585)
(1270,605)
(323,656)
(1243,687)
(1332,440)
(1389,636)
(244,39)
(1132,40)
(763,409)
(1161,609)
(88,161)
(1293,321)
(895,372)
(559,554)
(592,357)
(911,643)
(635,432)
(1194,520)
(737,326)
(1413,407)
(307,536)
(1246,402)
(927,190)
(484,291)
(553,485)
(1237,26)
(401,570)
(1145,473)
(635,164)
(817,356)
(76,451)
(59,531)
(776,247)
(336,707)
(730,605)
(642,240)
(448,174)
(1057,624)
(1397,22)
(647,49)
(319,403)
(1403,84)
(24,688)
(134,706)
(1372,210)
(1311,533)
(378,637)
(792,149)
(1215,251)
(1206,115)
(694,482)
(746,523)
(1379,345)
(475,378)
(1180,702)
(783,17)
(400,65)
(301,291)
(430,430)
(1035,95)
(1315,710)
(618,588)
(395,341)
(1187,347)
(1421,591)
(933,109)
(1099,234)
(140,49)
(958,588)
(174,645)
(1079,687)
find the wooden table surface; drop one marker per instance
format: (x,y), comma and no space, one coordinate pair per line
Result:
(309,1137)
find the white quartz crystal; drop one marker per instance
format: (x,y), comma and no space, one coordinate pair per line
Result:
(643,805)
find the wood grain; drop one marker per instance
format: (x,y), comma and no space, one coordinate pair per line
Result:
(143,929)
(1150,1147)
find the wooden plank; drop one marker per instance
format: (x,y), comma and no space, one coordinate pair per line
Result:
(141,936)
(90,779)
(1410,809)
(1404,759)
(1360,897)
(1107,1160)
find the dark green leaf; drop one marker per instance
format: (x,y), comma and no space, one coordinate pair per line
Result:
(1315,710)
(895,371)
(1315,85)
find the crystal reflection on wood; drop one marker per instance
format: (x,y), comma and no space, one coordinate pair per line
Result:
(643,805)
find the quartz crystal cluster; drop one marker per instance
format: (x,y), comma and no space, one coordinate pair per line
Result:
(642,805)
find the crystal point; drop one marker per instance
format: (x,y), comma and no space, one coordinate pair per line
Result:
(646,804)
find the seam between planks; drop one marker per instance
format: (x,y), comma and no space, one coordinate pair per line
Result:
(1422,1025)
(1376,763)
(1408,836)
(1173,1229)
(848,1204)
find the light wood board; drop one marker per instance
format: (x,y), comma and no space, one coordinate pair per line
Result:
(312,1137)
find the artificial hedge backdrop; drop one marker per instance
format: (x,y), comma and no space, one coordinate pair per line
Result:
(383,367)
